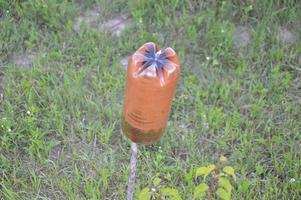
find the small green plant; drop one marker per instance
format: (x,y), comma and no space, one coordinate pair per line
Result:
(213,181)
(220,175)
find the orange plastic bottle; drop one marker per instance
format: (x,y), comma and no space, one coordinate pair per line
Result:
(152,76)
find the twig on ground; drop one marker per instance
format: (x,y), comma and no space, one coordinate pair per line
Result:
(212,186)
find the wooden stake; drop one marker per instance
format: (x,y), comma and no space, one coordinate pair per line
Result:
(131,184)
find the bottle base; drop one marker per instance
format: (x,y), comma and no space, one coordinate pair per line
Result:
(139,136)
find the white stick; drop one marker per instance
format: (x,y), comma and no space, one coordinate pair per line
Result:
(131,185)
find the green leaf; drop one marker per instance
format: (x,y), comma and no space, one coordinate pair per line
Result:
(144,194)
(156,181)
(204,170)
(225,183)
(230,171)
(200,190)
(215,62)
(173,193)
(243,186)
(210,168)
(223,159)
(223,194)
(201,171)
(259,169)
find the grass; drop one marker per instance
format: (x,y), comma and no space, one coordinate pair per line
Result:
(60,132)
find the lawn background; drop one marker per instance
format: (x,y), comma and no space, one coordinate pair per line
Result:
(61,90)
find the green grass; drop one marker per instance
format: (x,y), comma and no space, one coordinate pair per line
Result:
(60,134)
